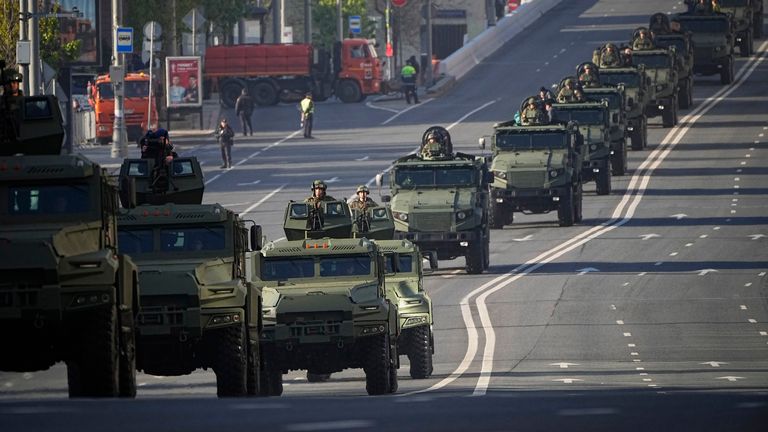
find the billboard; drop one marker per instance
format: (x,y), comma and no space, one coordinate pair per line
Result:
(183,78)
(84,28)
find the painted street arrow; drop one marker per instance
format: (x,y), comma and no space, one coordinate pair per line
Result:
(714,363)
(526,238)
(679,216)
(587,270)
(649,236)
(333,180)
(563,365)
(730,378)
(250,183)
(567,380)
(757,236)
(704,272)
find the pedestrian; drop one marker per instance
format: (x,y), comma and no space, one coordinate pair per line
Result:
(225,135)
(307,108)
(415,64)
(408,78)
(244,110)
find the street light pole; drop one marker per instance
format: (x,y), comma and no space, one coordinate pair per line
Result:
(117,73)
(340,24)
(429,75)
(34,38)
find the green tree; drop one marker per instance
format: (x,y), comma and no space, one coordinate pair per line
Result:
(9,30)
(324,20)
(52,50)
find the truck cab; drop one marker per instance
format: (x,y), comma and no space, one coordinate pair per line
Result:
(136,103)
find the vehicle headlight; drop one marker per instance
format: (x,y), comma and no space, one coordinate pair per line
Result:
(593,147)
(364,294)
(402,216)
(719,48)
(269,297)
(461,215)
(553,173)
(659,87)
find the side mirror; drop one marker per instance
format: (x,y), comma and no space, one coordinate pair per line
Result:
(379,179)
(481,142)
(257,240)
(386,198)
(615,117)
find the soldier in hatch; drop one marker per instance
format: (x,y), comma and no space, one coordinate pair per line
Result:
(642,41)
(362,202)
(318,194)
(609,57)
(588,77)
(532,114)
(569,93)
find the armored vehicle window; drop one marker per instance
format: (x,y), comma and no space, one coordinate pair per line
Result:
(299,211)
(192,239)
(37,109)
(106,91)
(535,141)
(132,241)
(282,269)
(719,25)
(652,61)
(48,200)
(399,263)
(138,169)
(628,79)
(345,266)
(379,214)
(582,116)
(182,168)
(454,176)
(136,89)
(334,208)
(445,176)
(614,100)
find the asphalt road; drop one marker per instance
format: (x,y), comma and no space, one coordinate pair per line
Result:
(651,314)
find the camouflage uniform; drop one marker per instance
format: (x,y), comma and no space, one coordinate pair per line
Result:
(533,115)
(642,43)
(315,201)
(360,205)
(589,79)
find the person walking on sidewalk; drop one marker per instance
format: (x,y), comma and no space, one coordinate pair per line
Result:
(225,135)
(244,109)
(408,78)
(307,108)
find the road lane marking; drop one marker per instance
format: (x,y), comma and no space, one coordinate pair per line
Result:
(575,412)
(329,425)
(242,161)
(424,102)
(261,201)
(372,106)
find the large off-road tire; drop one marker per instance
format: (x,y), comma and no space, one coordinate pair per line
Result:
(669,113)
(229,92)
(565,210)
(253,383)
(684,94)
(475,257)
(317,377)
(603,182)
(420,352)
(487,254)
(757,28)
(746,47)
(377,363)
(619,158)
(348,91)
(271,375)
(726,73)
(265,94)
(639,136)
(127,362)
(496,216)
(94,367)
(230,361)
(578,204)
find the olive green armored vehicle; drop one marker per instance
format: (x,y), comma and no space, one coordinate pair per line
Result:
(666,35)
(594,125)
(713,39)
(660,66)
(747,22)
(66,294)
(198,310)
(440,201)
(536,169)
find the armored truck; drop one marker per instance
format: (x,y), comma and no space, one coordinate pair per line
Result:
(660,68)
(440,201)
(713,38)
(66,294)
(536,169)
(637,96)
(744,22)
(326,309)
(594,125)
(198,310)
(683,44)
(617,116)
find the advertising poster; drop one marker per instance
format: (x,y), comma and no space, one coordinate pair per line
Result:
(183,77)
(83,28)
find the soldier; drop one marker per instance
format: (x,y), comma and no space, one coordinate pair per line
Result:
(626,56)
(156,144)
(225,135)
(11,92)
(567,93)
(307,108)
(244,110)
(432,147)
(609,57)
(544,94)
(588,77)
(532,114)
(318,194)
(642,41)
(362,202)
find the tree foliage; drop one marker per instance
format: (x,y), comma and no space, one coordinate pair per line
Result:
(52,50)
(325,19)
(9,30)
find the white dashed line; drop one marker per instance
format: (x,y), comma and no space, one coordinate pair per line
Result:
(688,244)
(673,254)
(743,307)
(703,236)
(631,345)
(627,334)
(752,321)
(619,322)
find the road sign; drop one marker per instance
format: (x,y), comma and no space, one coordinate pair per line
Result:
(399,3)
(124,40)
(153,30)
(354,24)
(194,20)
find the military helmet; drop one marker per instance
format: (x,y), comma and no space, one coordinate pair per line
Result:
(319,184)
(531,101)
(10,75)
(362,188)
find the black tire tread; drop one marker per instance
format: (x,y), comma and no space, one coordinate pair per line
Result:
(377,364)
(230,361)
(419,349)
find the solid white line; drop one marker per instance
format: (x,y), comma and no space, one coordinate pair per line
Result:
(261,201)
(406,110)
(372,106)
(464,117)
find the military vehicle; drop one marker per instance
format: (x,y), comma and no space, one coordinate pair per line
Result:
(198,310)
(536,169)
(638,94)
(665,36)
(743,13)
(660,67)
(325,302)
(440,201)
(594,125)
(713,39)
(66,294)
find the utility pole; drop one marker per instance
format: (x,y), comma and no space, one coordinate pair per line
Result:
(117,74)
(34,38)
(490,12)
(308,21)
(23,37)
(429,76)
(277,21)
(340,26)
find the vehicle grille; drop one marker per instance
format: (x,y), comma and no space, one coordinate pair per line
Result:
(527,179)
(314,323)
(161,315)
(431,221)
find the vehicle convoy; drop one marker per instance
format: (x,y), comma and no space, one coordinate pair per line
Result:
(660,68)
(665,36)
(638,94)
(275,72)
(136,103)
(713,41)
(747,22)
(536,169)
(66,294)
(325,302)
(594,125)
(440,201)
(198,310)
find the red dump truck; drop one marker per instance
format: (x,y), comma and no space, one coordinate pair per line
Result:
(275,72)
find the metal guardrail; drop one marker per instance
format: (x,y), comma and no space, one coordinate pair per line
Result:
(83,128)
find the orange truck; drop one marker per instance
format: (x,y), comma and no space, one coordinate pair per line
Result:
(275,72)
(135,104)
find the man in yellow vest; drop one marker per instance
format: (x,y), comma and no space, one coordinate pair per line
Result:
(307,108)
(408,78)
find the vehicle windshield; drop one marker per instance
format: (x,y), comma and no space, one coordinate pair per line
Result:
(181,239)
(531,141)
(287,268)
(614,99)
(355,265)
(434,177)
(582,116)
(628,79)
(133,89)
(397,263)
(652,60)
(135,241)
(45,200)
(704,25)
(678,43)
